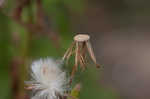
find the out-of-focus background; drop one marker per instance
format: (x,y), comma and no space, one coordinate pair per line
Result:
(119,30)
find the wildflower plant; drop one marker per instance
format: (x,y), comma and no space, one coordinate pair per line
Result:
(49,80)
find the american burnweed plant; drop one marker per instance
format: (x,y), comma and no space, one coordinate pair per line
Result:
(49,80)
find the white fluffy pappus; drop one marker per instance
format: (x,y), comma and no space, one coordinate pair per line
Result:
(48,79)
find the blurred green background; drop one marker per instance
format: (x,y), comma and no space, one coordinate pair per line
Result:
(33,29)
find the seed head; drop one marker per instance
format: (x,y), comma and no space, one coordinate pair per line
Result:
(48,80)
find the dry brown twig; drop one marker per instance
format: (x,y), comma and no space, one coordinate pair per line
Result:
(37,28)
(81,45)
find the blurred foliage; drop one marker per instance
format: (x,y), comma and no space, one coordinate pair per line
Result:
(18,42)
(5,56)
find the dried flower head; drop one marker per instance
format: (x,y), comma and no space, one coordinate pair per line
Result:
(80,47)
(48,80)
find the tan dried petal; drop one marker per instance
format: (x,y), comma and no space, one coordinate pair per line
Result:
(68,51)
(91,53)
